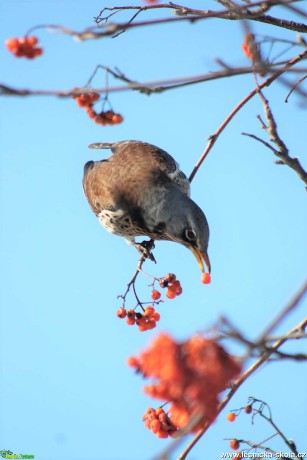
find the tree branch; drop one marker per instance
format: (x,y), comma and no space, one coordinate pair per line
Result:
(265,83)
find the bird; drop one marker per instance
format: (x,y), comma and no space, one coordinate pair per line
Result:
(141,191)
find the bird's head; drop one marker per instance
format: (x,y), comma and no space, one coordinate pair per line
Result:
(189,227)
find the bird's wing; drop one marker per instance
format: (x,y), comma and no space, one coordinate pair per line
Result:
(155,156)
(100,194)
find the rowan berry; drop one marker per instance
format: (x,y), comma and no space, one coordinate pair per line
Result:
(205,278)
(117,118)
(149,311)
(12,44)
(156,316)
(155,295)
(170,294)
(231,417)
(130,321)
(162,434)
(121,312)
(248,409)
(133,362)
(234,444)
(155,425)
(170,277)
(151,324)
(32,40)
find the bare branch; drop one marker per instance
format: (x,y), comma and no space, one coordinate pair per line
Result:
(265,83)
(282,151)
(158,86)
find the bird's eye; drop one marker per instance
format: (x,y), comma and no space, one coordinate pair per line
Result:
(190,234)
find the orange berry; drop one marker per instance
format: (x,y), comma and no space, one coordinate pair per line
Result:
(248,409)
(174,285)
(162,434)
(159,411)
(38,51)
(205,278)
(131,313)
(130,321)
(117,118)
(121,312)
(163,417)
(231,417)
(155,425)
(133,362)
(91,113)
(32,40)
(149,311)
(234,444)
(150,325)
(170,294)
(170,277)
(156,316)
(12,44)
(155,295)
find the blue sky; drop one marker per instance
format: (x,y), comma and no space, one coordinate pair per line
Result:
(65,391)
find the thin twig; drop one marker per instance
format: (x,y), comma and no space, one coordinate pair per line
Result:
(157,86)
(295,86)
(265,83)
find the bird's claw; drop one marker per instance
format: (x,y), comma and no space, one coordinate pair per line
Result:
(145,248)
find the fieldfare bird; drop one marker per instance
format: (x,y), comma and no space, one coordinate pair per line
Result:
(140,190)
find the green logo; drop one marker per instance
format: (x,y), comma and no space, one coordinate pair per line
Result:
(9,454)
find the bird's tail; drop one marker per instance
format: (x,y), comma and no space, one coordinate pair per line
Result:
(101,145)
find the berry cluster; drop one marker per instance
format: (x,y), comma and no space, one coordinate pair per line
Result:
(145,321)
(189,375)
(86,101)
(105,118)
(159,423)
(173,285)
(24,47)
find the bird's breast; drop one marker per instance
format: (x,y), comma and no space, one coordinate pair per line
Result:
(122,222)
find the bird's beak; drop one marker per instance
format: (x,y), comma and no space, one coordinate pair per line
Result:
(202,257)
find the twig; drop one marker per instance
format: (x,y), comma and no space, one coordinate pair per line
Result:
(265,83)
(238,13)
(295,86)
(157,86)
(269,418)
(282,151)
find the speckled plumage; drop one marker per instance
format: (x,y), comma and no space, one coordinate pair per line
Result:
(140,190)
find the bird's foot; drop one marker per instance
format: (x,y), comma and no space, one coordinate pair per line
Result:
(144,248)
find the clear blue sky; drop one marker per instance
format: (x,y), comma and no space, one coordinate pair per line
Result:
(65,391)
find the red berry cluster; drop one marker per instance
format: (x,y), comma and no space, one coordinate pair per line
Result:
(159,423)
(173,285)
(24,47)
(105,118)
(145,321)
(86,100)
(188,375)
